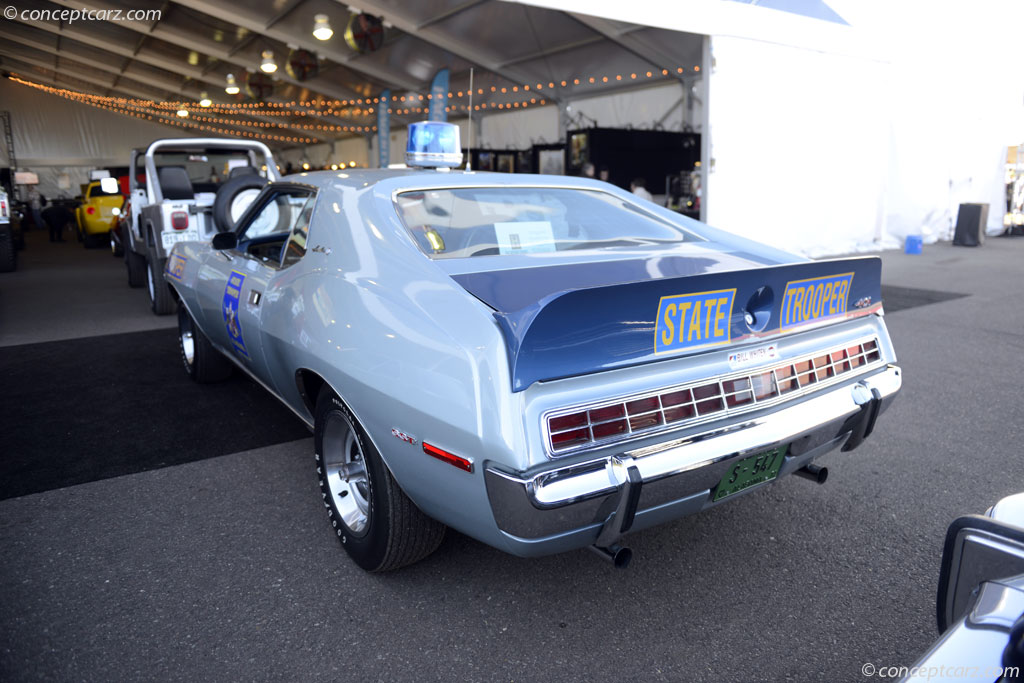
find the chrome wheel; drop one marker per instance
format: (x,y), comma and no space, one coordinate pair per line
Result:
(188,347)
(345,469)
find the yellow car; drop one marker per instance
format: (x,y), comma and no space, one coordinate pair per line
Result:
(98,214)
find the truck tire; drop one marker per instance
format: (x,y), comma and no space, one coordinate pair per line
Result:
(203,363)
(136,265)
(233,198)
(8,254)
(377,524)
(160,298)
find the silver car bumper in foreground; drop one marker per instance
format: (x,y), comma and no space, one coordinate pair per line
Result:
(556,508)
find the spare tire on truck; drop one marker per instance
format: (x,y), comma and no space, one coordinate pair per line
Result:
(233,198)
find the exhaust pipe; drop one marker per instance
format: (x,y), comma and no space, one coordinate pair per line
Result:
(813,472)
(616,554)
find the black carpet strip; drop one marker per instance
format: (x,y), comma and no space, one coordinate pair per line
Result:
(87,409)
(901,298)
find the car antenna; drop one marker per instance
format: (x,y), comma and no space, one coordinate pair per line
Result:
(469,149)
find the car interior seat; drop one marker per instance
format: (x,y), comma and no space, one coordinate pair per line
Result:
(175,183)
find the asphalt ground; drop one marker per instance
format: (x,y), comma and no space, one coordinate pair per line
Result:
(224,568)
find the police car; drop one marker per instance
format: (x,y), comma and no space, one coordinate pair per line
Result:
(543,363)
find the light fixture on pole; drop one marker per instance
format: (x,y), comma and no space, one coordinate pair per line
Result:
(321,27)
(268,65)
(232,87)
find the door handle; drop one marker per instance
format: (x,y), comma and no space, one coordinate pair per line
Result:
(255,297)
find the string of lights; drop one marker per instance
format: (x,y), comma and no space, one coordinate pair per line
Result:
(335,107)
(205,115)
(180,121)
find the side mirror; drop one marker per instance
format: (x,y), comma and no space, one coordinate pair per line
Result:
(979,550)
(224,240)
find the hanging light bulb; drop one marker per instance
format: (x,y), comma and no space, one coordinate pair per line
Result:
(232,87)
(204,99)
(321,28)
(183,113)
(268,66)
(305,165)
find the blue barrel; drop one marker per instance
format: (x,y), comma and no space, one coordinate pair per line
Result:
(913,244)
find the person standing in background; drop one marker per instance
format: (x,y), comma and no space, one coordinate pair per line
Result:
(36,202)
(638,188)
(57,216)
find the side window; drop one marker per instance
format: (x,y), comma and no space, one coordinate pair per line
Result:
(272,226)
(296,247)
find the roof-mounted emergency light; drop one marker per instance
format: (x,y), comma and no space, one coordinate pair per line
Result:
(433,144)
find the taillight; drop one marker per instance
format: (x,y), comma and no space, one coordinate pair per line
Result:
(682,404)
(450,458)
(90,210)
(179,220)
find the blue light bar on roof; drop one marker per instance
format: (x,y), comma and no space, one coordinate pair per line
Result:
(433,144)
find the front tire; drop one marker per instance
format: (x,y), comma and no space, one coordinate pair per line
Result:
(115,246)
(160,299)
(203,363)
(136,265)
(378,525)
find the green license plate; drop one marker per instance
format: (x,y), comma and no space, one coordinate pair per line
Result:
(752,471)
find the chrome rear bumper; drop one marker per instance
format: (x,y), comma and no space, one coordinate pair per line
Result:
(558,507)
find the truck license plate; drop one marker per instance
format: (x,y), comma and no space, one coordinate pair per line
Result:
(170,238)
(753,471)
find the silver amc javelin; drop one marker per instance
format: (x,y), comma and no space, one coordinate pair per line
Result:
(541,362)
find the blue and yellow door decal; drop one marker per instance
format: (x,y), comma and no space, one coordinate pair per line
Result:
(232,294)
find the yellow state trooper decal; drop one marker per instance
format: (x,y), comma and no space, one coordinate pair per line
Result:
(691,321)
(815,299)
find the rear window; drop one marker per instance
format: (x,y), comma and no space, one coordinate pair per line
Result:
(467,222)
(97,191)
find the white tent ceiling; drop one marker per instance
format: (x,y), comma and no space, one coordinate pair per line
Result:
(195,44)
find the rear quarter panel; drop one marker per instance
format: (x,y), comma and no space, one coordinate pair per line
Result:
(406,349)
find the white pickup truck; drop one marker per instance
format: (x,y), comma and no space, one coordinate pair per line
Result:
(187,189)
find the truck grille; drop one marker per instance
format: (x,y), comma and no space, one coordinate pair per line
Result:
(575,428)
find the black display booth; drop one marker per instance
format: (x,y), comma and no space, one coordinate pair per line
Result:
(629,153)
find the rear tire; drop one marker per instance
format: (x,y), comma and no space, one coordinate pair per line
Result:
(160,299)
(8,254)
(136,265)
(203,363)
(378,525)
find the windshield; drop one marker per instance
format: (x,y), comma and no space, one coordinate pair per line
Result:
(97,191)
(465,222)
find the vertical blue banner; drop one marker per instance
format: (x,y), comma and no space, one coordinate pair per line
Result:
(384,130)
(439,96)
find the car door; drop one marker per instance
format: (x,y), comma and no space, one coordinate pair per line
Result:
(236,280)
